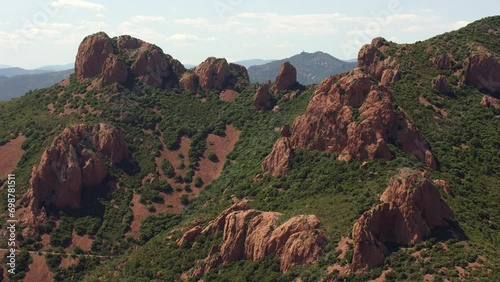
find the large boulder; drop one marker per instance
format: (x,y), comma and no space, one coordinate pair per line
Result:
(262,98)
(411,209)
(218,74)
(286,78)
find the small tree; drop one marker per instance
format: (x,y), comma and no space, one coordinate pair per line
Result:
(213,157)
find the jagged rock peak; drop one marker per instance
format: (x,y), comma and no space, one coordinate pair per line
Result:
(355,117)
(251,234)
(218,74)
(76,160)
(125,59)
(411,209)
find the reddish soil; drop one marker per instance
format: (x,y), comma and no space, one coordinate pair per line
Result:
(424,102)
(68,261)
(228,95)
(10,154)
(64,83)
(140,212)
(38,270)
(428,278)
(343,270)
(344,246)
(51,108)
(5,276)
(83,242)
(172,156)
(221,146)
(45,240)
(382,276)
(92,111)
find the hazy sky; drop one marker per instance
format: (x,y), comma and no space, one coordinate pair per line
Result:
(43,32)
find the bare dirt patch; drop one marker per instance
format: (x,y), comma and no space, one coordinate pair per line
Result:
(83,242)
(228,95)
(382,276)
(51,108)
(38,270)
(10,154)
(140,212)
(424,102)
(221,146)
(428,278)
(64,83)
(343,246)
(68,261)
(343,270)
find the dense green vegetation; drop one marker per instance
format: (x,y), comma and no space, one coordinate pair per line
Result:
(466,144)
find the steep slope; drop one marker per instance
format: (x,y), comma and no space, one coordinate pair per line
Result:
(311,68)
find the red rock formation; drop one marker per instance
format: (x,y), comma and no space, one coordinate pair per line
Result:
(114,70)
(189,81)
(443,185)
(442,62)
(251,234)
(483,70)
(99,54)
(286,78)
(488,101)
(278,161)
(190,235)
(70,165)
(385,70)
(441,84)
(354,117)
(262,98)
(217,74)
(411,208)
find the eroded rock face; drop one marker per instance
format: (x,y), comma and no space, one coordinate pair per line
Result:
(92,54)
(355,117)
(217,74)
(286,78)
(278,161)
(441,84)
(122,56)
(385,70)
(262,98)
(70,164)
(411,208)
(189,81)
(253,235)
(483,70)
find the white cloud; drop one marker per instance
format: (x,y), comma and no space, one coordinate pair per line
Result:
(285,45)
(78,4)
(459,24)
(196,22)
(155,19)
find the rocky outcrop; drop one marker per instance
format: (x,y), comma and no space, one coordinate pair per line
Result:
(355,117)
(441,84)
(371,58)
(217,74)
(262,98)
(92,54)
(286,78)
(411,209)
(483,70)
(488,101)
(253,235)
(189,81)
(442,62)
(75,161)
(121,57)
(278,161)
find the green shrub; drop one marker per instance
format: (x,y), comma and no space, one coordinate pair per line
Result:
(213,157)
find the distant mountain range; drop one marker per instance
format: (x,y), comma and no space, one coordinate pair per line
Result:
(311,68)
(253,62)
(17,85)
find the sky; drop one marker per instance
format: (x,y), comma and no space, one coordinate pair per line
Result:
(34,33)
